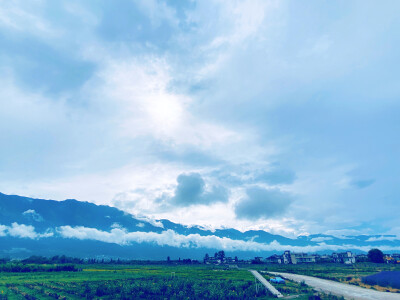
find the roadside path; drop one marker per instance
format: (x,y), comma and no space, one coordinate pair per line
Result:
(267,285)
(340,289)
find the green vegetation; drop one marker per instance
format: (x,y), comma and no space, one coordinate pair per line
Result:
(118,281)
(60,278)
(131,282)
(27,268)
(376,256)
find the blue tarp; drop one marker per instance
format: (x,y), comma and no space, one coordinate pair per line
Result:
(277,280)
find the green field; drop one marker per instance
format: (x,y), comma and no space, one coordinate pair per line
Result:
(104,281)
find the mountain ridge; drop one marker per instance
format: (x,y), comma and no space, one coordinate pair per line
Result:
(72,227)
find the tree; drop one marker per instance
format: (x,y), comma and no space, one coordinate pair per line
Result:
(221,255)
(375,255)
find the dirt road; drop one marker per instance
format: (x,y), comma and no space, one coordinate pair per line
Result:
(266,284)
(340,289)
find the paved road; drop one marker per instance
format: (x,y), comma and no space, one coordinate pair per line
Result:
(341,289)
(265,283)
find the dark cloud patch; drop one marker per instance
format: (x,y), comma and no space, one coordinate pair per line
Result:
(262,203)
(363,183)
(191,190)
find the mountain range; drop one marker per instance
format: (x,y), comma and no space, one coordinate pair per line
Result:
(45,227)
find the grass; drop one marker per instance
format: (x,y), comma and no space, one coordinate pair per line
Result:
(142,282)
(128,282)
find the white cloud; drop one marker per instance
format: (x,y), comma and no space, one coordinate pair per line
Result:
(171,238)
(3,229)
(138,93)
(149,220)
(121,236)
(33,214)
(23,231)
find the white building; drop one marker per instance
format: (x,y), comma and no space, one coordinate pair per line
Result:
(344,257)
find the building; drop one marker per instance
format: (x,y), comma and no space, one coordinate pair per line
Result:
(392,259)
(274,259)
(323,258)
(361,258)
(396,256)
(297,258)
(212,260)
(344,257)
(229,260)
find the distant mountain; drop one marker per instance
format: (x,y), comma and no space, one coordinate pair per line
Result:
(46,227)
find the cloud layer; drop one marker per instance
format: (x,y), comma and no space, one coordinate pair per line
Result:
(206,112)
(121,236)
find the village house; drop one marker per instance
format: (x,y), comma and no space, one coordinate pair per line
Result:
(274,259)
(297,258)
(344,257)
(392,258)
(361,257)
(212,260)
(325,258)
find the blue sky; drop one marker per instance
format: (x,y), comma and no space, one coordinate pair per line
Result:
(278,115)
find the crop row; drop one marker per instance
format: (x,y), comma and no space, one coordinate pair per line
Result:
(149,288)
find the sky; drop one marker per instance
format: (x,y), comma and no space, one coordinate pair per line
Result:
(273,115)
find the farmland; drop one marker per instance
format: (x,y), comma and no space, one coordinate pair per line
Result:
(101,281)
